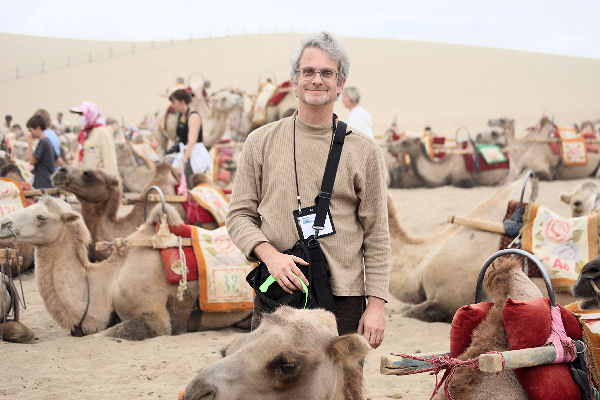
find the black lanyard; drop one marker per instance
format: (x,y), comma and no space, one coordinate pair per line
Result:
(295,168)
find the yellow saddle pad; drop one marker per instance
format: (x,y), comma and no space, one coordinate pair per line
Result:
(213,200)
(222,270)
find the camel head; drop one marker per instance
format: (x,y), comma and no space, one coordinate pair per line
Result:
(504,123)
(584,199)
(42,223)
(583,289)
(225,100)
(93,185)
(294,354)
(165,176)
(409,145)
(491,137)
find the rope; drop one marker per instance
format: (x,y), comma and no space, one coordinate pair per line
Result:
(184,271)
(439,363)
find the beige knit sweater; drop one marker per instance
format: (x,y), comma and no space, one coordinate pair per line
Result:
(264,197)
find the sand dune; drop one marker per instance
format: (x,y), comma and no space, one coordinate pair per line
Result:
(441,85)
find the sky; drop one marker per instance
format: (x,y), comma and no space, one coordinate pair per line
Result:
(567,27)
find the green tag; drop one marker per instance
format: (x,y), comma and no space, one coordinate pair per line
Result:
(270,280)
(491,153)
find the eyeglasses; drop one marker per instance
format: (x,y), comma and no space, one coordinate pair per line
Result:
(309,73)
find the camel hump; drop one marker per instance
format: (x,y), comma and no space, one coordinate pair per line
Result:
(15,332)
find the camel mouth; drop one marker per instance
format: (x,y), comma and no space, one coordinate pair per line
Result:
(7,231)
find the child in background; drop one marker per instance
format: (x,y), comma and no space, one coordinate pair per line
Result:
(44,157)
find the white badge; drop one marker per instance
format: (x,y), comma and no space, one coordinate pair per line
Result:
(305,220)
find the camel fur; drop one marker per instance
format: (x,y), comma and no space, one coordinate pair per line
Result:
(438,273)
(294,354)
(130,287)
(11,330)
(504,279)
(99,193)
(582,288)
(584,199)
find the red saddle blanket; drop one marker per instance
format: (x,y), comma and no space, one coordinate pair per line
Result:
(279,95)
(171,255)
(479,164)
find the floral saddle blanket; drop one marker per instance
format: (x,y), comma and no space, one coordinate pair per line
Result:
(216,263)
(563,245)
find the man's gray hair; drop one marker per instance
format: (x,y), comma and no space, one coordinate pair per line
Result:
(353,94)
(331,45)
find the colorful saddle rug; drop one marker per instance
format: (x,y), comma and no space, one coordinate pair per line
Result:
(259,108)
(486,157)
(563,245)
(280,94)
(572,147)
(12,198)
(213,200)
(216,263)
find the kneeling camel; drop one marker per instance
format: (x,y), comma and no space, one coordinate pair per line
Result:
(131,287)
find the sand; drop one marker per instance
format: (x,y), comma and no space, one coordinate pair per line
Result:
(419,83)
(58,366)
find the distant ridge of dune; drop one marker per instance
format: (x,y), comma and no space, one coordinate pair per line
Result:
(441,85)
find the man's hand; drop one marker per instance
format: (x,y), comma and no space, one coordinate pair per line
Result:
(372,322)
(29,137)
(282,266)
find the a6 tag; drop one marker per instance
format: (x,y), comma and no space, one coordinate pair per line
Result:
(305,220)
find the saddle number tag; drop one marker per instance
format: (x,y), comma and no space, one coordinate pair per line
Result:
(305,219)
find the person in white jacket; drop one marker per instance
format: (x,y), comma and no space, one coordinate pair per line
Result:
(358,118)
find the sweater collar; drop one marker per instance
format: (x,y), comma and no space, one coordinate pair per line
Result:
(317,130)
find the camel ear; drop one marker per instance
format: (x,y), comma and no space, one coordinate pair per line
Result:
(69,217)
(565,198)
(349,348)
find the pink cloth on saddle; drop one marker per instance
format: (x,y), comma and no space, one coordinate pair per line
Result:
(558,337)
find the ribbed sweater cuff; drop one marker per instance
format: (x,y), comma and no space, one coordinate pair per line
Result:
(375,290)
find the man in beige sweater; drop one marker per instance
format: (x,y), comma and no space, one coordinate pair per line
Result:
(260,220)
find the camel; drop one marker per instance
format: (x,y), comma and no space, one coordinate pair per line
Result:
(131,287)
(214,116)
(450,170)
(294,354)
(99,193)
(13,172)
(241,120)
(586,294)
(437,273)
(136,176)
(584,199)
(11,330)
(504,279)
(538,156)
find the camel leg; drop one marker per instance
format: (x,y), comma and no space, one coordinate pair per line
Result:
(15,332)
(429,311)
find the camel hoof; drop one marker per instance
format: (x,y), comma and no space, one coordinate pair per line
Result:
(16,332)
(129,330)
(427,311)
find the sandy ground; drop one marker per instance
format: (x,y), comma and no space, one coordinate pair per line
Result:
(58,366)
(421,83)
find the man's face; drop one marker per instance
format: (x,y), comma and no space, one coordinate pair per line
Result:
(317,90)
(36,132)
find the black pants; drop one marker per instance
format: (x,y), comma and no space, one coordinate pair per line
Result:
(348,311)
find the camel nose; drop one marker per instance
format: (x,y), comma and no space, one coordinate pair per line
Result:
(577,204)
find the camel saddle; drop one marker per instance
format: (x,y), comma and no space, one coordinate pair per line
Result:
(12,198)
(485,158)
(223,164)
(279,94)
(216,263)
(572,146)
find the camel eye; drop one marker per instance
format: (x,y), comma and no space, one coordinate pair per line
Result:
(284,367)
(88,175)
(288,367)
(42,218)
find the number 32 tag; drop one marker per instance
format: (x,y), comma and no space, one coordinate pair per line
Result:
(305,219)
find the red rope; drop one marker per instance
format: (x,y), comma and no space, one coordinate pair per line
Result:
(439,363)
